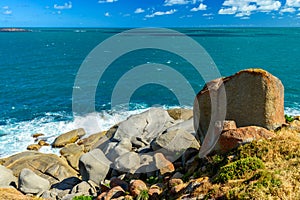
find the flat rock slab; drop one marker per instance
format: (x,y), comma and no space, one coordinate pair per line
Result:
(48,166)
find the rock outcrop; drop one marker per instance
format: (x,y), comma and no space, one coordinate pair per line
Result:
(48,166)
(254,97)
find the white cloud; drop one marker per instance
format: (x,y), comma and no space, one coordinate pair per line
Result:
(207,14)
(7,12)
(227,11)
(245,17)
(65,6)
(200,7)
(107,1)
(139,10)
(178,2)
(5,7)
(160,13)
(293,3)
(287,10)
(243,8)
(107,14)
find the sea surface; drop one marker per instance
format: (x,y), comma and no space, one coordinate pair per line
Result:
(38,70)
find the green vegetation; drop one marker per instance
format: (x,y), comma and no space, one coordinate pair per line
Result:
(143,195)
(152,180)
(289,118)
(238,169)
(83,198)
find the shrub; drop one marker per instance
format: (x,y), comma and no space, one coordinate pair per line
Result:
(83,198)
(238,169)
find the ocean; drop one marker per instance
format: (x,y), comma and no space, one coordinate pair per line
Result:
(39,68)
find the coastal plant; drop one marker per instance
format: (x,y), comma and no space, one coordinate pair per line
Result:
(143,195)
(289,118)
(83,198)
(264,184)
(238,169)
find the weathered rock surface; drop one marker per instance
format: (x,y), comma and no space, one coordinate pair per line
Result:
(84,188)
(30,183)
(254,98)
(34,147)
(68,138)
(48,166)
(136,186)
(6,177)
(145,126)
(235,137)
(12,194)
(127,162)
(90,141)
(164,165)
(72,153)
(94,166)
(174,142)
(180,113)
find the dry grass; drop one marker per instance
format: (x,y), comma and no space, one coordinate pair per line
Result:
(279,179)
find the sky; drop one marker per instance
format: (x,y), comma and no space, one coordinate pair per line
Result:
(149,13)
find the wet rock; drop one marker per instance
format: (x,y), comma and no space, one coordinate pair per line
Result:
(36,135)
(43,143)
(34,147)
(30,183)
(68,138)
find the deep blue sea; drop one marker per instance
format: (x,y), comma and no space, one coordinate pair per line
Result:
(38,71)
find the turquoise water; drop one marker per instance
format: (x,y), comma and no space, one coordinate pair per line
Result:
(38,71)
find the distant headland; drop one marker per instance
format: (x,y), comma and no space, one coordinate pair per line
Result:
(13,30)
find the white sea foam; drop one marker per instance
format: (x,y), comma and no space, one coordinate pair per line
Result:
(16,136)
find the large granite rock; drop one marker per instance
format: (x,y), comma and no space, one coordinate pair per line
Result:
(68,138)
(48,166)
(91,140)
(253,97)
(94,166)
(145,126)
(128,162)
(6,177)
(30,183)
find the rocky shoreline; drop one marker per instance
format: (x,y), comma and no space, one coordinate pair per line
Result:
(172,154)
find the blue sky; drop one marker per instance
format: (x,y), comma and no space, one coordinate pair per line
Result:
(149,13)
